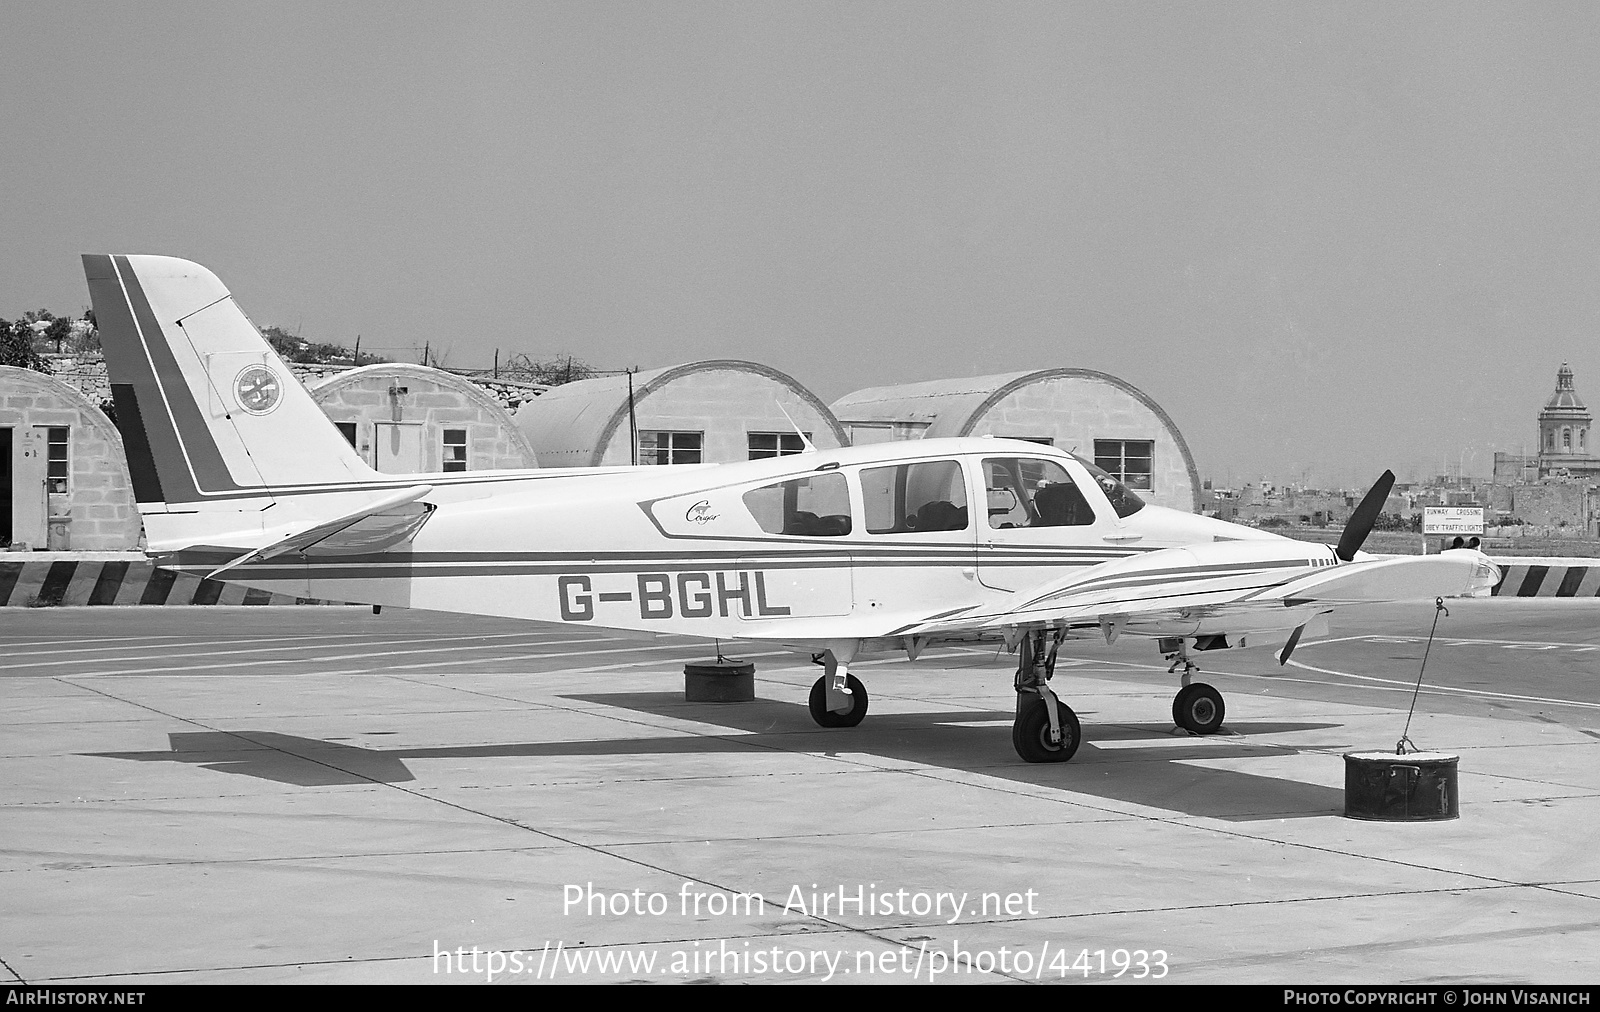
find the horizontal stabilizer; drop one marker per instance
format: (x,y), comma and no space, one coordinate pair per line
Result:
(389,521)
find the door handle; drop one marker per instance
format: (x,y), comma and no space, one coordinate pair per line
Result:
(1122,537)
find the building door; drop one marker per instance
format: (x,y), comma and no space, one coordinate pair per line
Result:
(29,462)
(5,487)
(397,447)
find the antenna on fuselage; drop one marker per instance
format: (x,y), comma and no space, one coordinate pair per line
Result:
(805,441)
(633,420)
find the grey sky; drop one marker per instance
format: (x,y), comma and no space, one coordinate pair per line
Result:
(1334,237)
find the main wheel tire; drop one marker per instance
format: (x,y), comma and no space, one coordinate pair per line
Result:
(1198,708)
(1030,734)
(828,718)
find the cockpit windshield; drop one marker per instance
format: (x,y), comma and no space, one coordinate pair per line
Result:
(1122,499)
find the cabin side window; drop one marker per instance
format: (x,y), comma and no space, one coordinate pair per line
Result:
(929,495)
(1032,492)
(816,506)
(1122,499)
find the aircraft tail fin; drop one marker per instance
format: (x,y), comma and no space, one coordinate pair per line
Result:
(207,409)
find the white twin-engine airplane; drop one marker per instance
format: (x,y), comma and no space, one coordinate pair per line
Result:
(837,553)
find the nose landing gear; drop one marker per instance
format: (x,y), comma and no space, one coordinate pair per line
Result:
(1198,707)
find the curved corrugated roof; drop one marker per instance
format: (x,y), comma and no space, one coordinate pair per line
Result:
(919,402)
(572,424)
(953,407)
(15,379)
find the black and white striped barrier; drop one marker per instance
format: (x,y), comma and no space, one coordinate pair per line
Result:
(1531,577)
(36,579)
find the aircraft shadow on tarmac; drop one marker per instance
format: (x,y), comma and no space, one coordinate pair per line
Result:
(1111,764)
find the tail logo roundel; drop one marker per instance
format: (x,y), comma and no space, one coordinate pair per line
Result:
(257,389)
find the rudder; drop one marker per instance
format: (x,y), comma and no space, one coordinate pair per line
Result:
(208,410)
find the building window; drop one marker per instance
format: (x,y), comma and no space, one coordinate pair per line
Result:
(348,431)
(776,444)
(57,464)
(1130,461)
(670,447)
(455,449)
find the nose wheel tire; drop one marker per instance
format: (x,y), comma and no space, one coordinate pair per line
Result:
(829,718)
(1030,735)
(1198,708)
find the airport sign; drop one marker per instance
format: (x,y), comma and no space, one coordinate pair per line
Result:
(1452,520)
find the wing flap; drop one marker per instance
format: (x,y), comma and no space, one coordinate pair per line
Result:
(1204,594)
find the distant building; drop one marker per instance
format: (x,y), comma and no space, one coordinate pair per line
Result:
(1553,487)
(1564,446)
(1564,421)
(1510,468)
(64,481)
(408,419)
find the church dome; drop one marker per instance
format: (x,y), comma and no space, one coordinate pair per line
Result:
(1565,399)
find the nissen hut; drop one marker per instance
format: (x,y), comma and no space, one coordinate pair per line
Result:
(703,412)
(410,419)
(1096,415)
(64,481)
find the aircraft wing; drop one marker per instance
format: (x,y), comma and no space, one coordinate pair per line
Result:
(1271,584)
(380,524)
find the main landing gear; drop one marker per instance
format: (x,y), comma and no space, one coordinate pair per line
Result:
(1045,730)
(1197,708)
(838,699)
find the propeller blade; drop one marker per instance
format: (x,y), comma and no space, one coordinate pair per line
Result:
(1365,515)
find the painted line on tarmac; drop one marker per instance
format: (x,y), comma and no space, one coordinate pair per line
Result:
(1459,641)
(298,642)
(386,669)
(1440,689)
(1382,684)
(94,639)
(346,657)
(98,654)
(375,670)
(53,659)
